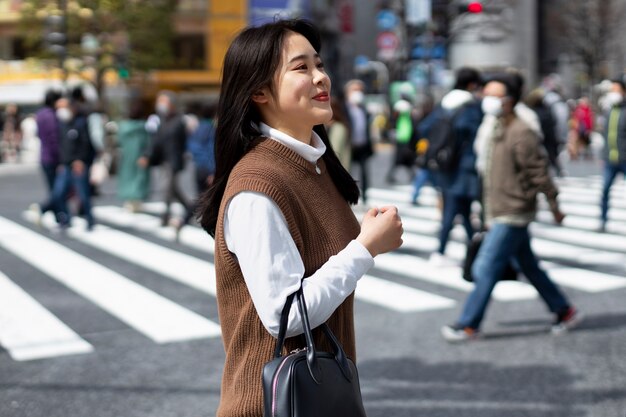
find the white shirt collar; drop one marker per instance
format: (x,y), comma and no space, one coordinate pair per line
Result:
(311,152)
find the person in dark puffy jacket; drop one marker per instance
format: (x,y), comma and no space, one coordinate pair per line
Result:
(76,156)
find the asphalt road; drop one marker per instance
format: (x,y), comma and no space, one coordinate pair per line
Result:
(95,361)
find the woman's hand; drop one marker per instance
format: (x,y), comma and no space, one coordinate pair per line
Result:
(381,230)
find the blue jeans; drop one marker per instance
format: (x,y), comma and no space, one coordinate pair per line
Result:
(50,172)
(64,181)
(421,178)
(453,205)
(610,172)
(502,243)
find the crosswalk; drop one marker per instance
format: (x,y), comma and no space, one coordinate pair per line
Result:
(404,282)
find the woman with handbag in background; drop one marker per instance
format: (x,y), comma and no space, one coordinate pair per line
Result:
(279,208)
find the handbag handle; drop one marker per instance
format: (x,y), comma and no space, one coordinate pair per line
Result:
(311,354)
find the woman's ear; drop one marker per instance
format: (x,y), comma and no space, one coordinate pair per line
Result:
(261,96)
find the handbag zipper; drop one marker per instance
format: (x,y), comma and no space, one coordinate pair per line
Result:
(275,384)
(274,387)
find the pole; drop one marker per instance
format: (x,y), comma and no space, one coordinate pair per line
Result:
(62,4)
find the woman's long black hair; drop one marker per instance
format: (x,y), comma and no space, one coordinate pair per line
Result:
(249,65)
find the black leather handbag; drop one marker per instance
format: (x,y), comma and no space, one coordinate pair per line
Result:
(307,382)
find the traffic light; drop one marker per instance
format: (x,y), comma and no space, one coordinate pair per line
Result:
(55,36)
(475,7)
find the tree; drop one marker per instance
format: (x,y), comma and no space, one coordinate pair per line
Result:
(588,30)
(103,35)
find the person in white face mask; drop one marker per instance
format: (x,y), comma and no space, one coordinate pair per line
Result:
(515,171)
(615,147)
(358,124)
(76,156)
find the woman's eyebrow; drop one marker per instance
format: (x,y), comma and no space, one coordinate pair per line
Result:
(302,56)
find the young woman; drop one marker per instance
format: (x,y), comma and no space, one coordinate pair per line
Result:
(279,207)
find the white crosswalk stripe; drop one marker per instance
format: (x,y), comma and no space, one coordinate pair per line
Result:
(575,255)
(28,331)
(390,295)
(149,313)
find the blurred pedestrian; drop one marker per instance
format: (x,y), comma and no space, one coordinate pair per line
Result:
(96,121)
(279,208)
(48,131)
(535,101)
(459,184)
(338,133)
(553,99)
(359,125)
(133,181)
(404,134)
(423,175)
(615,148)
(167,150)
(581,126)
(76,156)
(11,134)
(201,146)
(516,170)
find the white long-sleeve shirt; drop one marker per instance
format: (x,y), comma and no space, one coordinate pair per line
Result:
(256,231)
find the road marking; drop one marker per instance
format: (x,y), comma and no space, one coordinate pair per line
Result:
(370,289)
(600,241)
(449,276)
(185,269)
(149,313)
(192,237)
(399,297)
(583,280)
(29,331)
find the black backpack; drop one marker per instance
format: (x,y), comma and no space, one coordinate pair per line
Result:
(443,150)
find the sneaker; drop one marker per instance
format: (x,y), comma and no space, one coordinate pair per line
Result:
(455,333)
(438,259)
(35,209)
(567,321)
(177,224)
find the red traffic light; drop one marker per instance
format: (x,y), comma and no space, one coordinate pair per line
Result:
(475,7)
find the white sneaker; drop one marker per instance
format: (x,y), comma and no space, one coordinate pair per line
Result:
(437,259)
(35,209)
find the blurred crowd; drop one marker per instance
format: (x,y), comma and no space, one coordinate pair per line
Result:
(80,147)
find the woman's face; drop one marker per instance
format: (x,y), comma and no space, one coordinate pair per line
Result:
(301,96)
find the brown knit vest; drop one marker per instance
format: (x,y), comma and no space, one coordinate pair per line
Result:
(321,223)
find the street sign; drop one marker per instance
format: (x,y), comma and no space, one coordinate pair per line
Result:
(387,41)
(386,20)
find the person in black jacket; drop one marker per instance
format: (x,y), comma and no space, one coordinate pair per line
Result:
(535,100)
(168,150)
(76,157)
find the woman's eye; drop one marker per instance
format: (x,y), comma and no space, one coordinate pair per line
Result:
(301,67)
(320,65)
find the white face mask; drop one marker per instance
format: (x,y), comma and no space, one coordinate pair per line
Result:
(64,114)
(162,109)
(613,98)
(356,98)
(492,105)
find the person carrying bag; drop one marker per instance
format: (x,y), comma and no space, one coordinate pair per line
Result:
(279,210)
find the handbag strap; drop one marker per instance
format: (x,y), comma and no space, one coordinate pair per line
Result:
(284,320)
(314,369)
